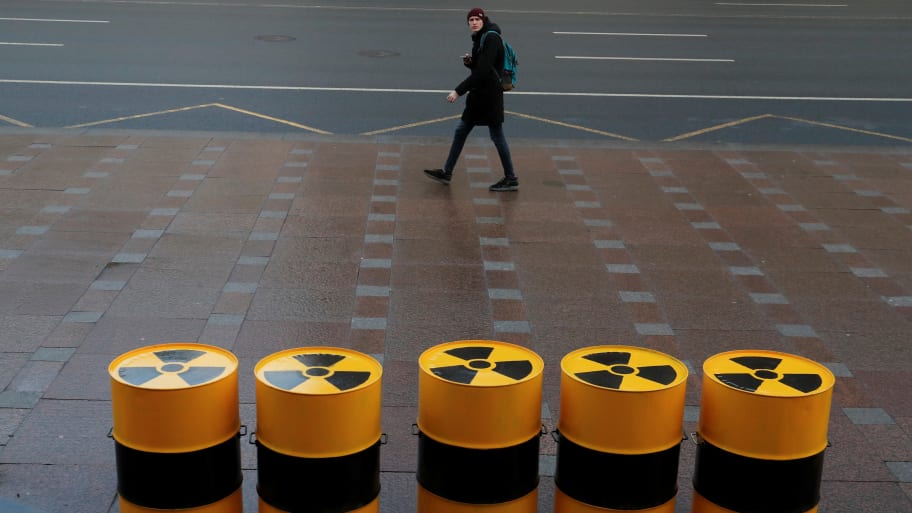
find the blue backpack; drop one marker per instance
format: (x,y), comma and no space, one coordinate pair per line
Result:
(508,73)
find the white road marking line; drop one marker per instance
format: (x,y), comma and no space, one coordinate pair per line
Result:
(6,43)
(744,4)
(54,21)
(580,57)
(444,91)
(624,34)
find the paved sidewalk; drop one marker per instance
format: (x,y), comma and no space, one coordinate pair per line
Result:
(114,240)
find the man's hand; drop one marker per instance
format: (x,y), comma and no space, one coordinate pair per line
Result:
(452,97)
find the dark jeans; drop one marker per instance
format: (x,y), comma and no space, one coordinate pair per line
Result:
(500,142)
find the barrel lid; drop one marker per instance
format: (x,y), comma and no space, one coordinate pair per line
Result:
(172,366)
(318,370)
(768,373)
(481,363)
(624,368)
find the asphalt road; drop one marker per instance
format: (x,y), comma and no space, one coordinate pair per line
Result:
(776,72)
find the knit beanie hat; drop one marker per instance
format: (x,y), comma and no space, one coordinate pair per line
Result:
(478,11)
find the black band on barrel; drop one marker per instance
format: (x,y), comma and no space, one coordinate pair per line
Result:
(752,485)
(318,485)
(178,480)
(477,476)
(616,481)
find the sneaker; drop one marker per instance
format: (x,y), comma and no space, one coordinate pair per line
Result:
(505,184)
(439,175)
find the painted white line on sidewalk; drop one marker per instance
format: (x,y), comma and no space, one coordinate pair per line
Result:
(744,4)
(444,91)
(624,34)
(7,43)
(54,21)
(580,57)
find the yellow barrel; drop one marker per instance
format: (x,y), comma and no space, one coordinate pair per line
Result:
(176,424)
(563,503)
(479,424)
(318,431)
(620,427)
(762,433)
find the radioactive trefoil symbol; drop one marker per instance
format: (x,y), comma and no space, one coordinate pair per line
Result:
(317,366)
(618,369)
(174,361)
(763,370)
(477,359)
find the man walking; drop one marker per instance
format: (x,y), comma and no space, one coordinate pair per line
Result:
(484,103)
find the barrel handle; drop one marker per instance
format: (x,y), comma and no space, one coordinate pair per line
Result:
(384,439)
(415,430)
(252,438)
(696,438)
(555,434)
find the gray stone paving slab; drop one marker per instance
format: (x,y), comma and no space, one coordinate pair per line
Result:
(164,211)
(840,370)
(36,376)
(148,234)
(868,272)
(622,268)
(654,329)
(368,323)
(796,330)
(53,354)
(868,416)
(903,301)
(107,285)
(32,230)
(372,291)
(512,327)
(745,271)
(724,246)
(839,248)
(243,288)
(499,266)
(494,241)
(814,227)
(8,506)
(769,299)
(902,470)
(19,399)
(83,317)
(372,238)
(226,319)
(504,294)
(636,297)
(129,258)
(376,263)
(609,244)
(55,209)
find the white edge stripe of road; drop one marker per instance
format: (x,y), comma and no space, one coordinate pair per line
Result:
(584,58)
(624,34)
(54,21)
(442,91)
(781,5)
(5,43)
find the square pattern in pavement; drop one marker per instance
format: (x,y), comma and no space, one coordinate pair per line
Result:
(111,241)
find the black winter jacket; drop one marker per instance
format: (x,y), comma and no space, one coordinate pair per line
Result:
(484,103)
